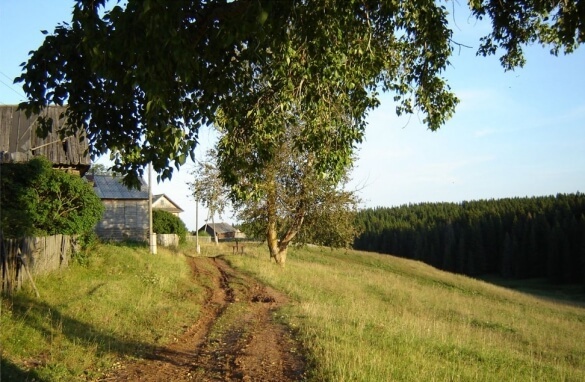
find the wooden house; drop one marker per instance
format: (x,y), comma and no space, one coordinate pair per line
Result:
(224,231)
(163,202)
(19,141)
(126,210)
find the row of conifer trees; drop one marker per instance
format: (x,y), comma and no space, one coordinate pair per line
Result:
(537,237)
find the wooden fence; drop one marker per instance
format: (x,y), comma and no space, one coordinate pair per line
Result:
(21,259)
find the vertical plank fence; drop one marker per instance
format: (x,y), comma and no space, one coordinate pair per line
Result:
(11,279)
(39,255)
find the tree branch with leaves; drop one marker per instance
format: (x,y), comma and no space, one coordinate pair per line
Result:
(142,78)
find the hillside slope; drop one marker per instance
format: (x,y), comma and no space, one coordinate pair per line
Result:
(359,316)
(369,317)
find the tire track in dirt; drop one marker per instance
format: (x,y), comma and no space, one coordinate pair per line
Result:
(235,338)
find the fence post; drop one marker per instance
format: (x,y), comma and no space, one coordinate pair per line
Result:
(23,263)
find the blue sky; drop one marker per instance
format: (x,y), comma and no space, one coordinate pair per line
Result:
(518,133)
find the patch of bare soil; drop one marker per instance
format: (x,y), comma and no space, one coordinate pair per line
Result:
(235,338)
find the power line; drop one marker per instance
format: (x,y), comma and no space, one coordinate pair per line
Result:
(20,94)
(11,79)
(11,88)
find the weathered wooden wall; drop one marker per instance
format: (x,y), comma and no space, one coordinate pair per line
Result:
(39,254)
(20,143)
(124,220)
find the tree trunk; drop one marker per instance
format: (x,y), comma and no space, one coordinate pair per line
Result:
(214,229)
(277,252)
(281,257)
(278,247)
(272,241)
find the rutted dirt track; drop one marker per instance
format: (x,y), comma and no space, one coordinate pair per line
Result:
(248,346)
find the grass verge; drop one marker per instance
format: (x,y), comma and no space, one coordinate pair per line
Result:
(121,304)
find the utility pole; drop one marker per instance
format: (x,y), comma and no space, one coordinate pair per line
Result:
(198,248)
(151,235)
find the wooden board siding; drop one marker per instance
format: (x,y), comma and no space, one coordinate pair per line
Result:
(124,220)
(20,143)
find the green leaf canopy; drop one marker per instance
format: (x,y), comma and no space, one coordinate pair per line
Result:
(143,78)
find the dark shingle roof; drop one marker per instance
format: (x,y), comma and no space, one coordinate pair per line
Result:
(109,187)
(220,228)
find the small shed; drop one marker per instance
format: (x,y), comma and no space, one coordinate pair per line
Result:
(164,203)
(126,210)
(19,141)
(224,231)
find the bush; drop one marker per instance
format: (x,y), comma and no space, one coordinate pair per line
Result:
(39,200)
(87,243)
(164,222)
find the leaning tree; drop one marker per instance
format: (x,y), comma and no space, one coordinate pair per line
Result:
(287,198)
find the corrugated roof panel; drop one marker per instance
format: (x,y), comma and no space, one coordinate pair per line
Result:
(108,187)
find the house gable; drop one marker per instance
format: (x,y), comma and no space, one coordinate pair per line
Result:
(163,202)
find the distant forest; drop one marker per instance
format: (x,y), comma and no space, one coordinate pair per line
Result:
(538,237)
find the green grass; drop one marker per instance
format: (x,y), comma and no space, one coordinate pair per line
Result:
(124,302)
(367,317)
(361,317)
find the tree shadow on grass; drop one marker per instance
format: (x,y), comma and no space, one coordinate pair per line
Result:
(50,322)
(11,372)
(569,294)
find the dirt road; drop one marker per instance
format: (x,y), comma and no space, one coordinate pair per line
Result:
(235,339)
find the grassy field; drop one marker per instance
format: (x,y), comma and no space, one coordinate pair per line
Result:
(362,317)
(367,317)
(88,317)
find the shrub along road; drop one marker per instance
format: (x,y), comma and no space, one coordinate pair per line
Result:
(235,338)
